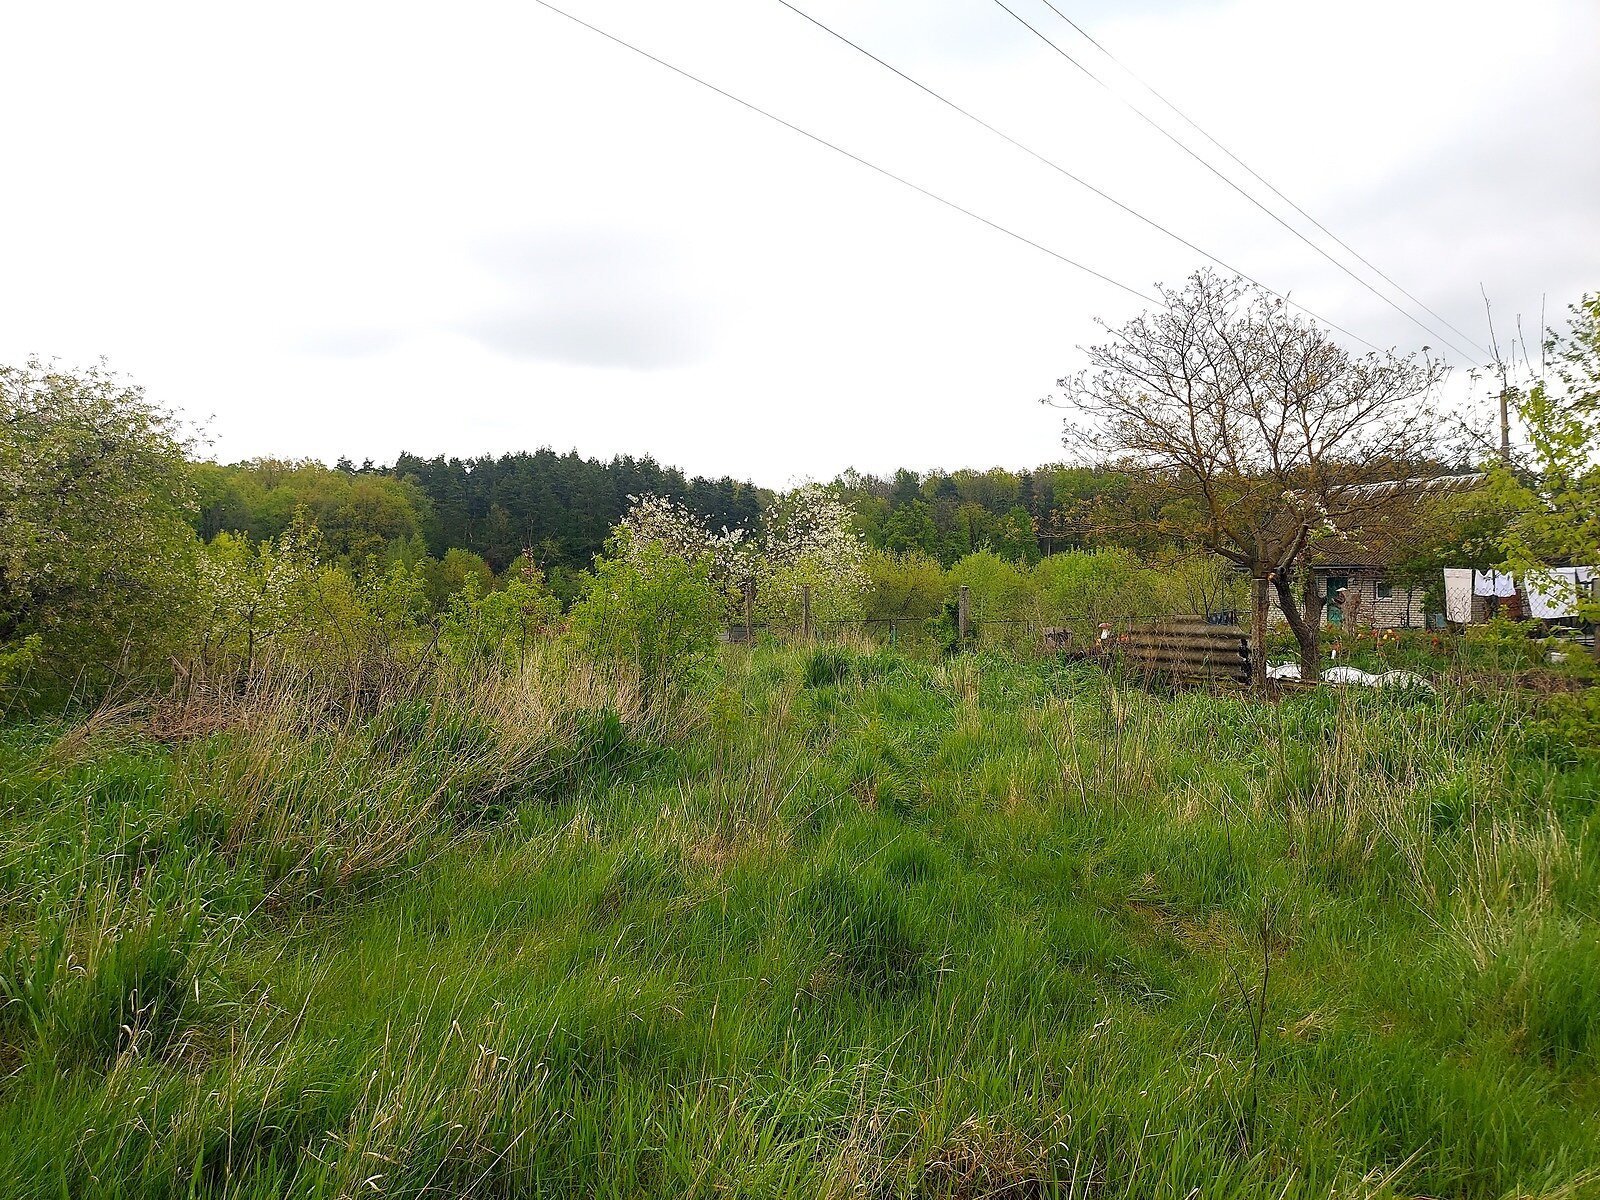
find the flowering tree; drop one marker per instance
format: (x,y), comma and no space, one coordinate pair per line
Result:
(806,539)
(661,521)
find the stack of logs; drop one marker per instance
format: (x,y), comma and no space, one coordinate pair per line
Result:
(1187,648)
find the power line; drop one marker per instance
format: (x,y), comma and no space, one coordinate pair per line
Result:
(1178,142)
(1051,163)
(850,155)
(1351,250)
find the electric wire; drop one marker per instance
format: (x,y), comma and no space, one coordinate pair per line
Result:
(1055,166)
(1263,180)
(1071,262)
(1178,142)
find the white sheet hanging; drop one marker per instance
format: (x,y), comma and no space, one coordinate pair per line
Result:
(1550,598)
(1458,594)
(1554,596)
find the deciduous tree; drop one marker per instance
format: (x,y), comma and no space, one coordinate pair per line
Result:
(1259,432)
(1553,495)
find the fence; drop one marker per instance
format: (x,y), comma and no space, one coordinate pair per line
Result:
(1191,647)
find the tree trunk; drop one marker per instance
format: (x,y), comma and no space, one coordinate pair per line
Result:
(1258,631)
(1305,624)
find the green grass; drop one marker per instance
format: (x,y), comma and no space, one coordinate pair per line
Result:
(843,923)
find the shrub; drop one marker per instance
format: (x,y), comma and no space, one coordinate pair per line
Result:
(499,626)
(907,586)
(1090,586)
(651,611)
(96,549)
(351,633)
(1570,723)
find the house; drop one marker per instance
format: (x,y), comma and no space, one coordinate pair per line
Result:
(1386,603)
(1366,562)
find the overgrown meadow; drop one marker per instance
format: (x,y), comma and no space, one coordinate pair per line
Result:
(331,872)
(817,920)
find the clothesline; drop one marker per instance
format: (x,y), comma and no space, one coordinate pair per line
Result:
(1552,594)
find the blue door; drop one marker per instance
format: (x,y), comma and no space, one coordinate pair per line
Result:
(1335,582)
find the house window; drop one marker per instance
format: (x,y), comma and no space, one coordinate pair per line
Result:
(1385,590)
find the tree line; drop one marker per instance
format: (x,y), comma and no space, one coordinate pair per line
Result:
(1217,428)
(561,508)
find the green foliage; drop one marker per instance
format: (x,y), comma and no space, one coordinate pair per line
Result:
(560,506)
(1508,644)
(1000,590)
(904,586)
(652,611)
(944,628)
(1555,501)
(286,605)
(358,514)
(458,571)
(96,556)
(910,530)
(1570,722)
(1012,536)
(1095,585)
(501,626)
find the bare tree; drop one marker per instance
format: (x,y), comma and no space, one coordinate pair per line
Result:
(1259,433)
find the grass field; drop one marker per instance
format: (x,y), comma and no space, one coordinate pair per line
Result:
(840,923)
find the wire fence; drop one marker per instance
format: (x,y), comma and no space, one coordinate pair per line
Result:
(1052,632)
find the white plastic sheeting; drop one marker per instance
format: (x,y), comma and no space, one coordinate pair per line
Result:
(1347,675)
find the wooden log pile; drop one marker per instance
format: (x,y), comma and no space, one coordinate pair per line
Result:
(1189,648)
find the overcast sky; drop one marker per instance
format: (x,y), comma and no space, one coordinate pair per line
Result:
(341,228)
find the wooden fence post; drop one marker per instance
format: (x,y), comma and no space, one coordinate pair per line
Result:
(963,614)
(749,612)
(805,611)
(1258,631)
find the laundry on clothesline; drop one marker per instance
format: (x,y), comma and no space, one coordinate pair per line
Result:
(1493,583)
(1458,594)
(1554,595)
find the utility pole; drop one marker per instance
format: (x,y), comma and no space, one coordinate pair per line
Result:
(1505,422)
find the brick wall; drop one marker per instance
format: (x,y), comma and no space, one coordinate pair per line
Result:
(1379,612)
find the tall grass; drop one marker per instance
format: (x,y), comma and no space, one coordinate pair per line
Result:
(839,922)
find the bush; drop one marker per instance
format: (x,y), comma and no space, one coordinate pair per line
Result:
(1570,723)
(908,586)
(1002,601)
(652,611)
(498,627)
(1090,586)
(96,550)
(353,634)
